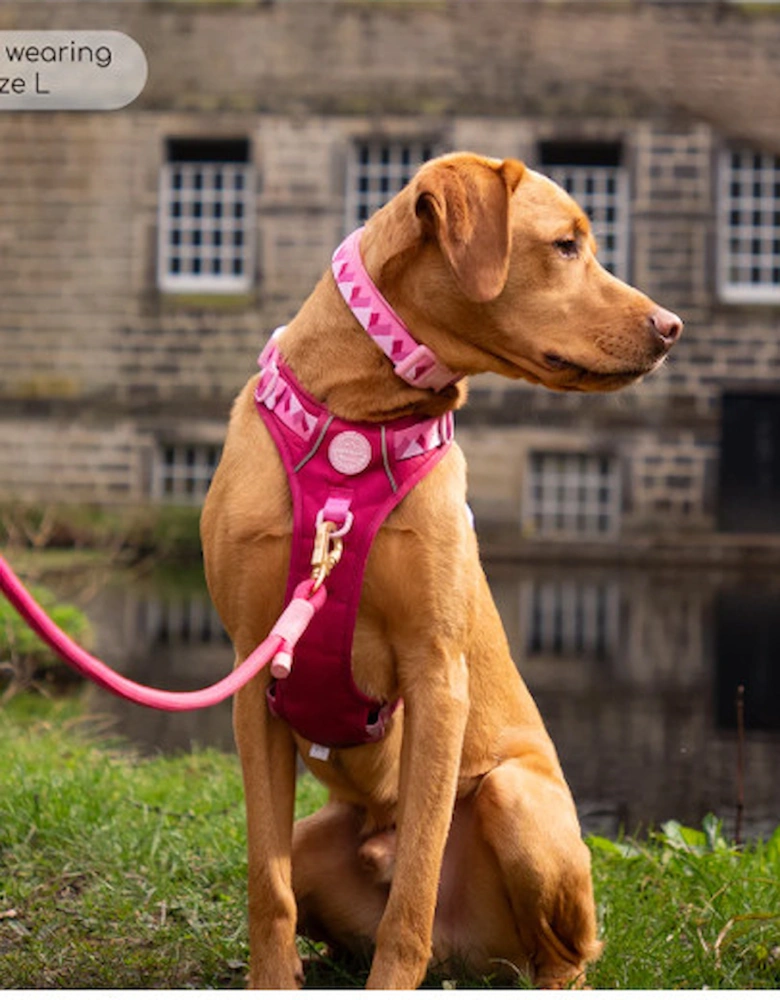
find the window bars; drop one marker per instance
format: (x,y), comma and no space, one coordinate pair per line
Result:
(206,217)
(377,170)
(183,472)
(571,494)
(749,227)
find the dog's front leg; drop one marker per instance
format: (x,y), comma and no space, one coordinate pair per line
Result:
(435,712)
(267,755)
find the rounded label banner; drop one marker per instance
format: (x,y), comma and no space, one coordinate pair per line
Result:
(69,70)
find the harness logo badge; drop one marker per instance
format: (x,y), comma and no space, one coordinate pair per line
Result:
(349,453)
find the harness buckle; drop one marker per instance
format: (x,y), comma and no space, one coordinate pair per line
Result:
(328,548)
(423,370)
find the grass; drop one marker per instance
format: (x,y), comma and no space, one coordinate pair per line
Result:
(122,872)
(687,910)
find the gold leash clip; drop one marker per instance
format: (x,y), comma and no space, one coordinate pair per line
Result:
(326,553)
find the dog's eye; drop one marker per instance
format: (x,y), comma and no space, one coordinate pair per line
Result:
(567,248)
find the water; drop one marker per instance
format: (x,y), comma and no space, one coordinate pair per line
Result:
(635,672)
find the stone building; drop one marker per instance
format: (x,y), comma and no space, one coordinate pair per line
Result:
(145,254)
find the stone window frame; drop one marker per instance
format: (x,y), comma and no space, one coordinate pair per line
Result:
(571,618)
(594,174)
(182,471)
(206,217)
(748,224)
(571,494)
(378,168)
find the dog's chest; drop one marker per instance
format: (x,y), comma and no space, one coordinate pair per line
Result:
(351,476)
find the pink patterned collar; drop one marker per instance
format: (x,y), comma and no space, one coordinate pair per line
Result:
(413,362)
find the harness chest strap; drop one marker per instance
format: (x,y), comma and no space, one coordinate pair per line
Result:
(351,475)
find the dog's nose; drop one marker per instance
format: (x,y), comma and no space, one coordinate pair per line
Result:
(666,326)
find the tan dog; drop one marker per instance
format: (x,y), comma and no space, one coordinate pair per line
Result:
(454,838)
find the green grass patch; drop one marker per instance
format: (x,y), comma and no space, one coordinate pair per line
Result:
(115,872)
(124,872)
(688,910)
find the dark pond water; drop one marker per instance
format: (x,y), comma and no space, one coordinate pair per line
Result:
(635,672)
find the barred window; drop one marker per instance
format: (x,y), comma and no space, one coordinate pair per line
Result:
(568,618)
(183,472)
(749,227)
(377,170)
(592,174)
(206,223)
(571,494)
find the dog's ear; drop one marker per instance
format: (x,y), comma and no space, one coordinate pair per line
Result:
(464,205)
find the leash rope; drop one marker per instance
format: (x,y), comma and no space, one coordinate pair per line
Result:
(308,598)
(413,362)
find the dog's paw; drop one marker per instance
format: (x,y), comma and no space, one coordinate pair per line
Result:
(278,974)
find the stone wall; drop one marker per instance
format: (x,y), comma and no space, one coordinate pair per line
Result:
(84,326)
(710,60)
(75,459)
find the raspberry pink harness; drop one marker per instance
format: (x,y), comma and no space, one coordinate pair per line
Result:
(352,474)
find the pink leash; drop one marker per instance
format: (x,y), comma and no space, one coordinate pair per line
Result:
(414,363)
(307,600)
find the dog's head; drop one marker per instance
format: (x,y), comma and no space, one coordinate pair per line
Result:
(495,266)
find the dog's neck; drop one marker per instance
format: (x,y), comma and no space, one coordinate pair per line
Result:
(331,345)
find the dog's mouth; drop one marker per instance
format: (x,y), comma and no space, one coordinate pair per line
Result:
(569,376)
(561,374)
